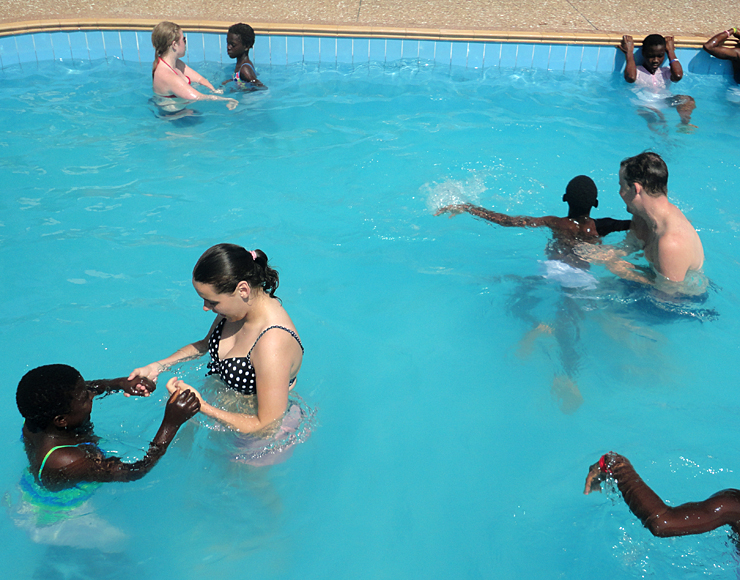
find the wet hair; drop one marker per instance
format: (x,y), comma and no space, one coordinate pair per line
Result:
(649,170)
(245,32)
(163,35)
(581,192)
(45,393)
(653,40)
(223,266)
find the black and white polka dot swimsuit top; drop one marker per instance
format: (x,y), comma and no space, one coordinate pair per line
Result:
(238,372)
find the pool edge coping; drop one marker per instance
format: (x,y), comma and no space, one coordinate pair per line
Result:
(338,31)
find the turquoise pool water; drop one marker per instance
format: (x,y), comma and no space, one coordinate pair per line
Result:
(440,451)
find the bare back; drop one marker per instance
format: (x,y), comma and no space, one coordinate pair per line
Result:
(671,245)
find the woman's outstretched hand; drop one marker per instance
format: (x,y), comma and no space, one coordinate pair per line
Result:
(174,385)
(150,371)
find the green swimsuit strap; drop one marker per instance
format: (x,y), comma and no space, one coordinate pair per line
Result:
(53,449)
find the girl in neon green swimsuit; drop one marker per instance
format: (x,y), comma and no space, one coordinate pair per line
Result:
(60,444)
(66,464)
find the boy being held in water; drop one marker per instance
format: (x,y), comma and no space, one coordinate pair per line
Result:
(653,80)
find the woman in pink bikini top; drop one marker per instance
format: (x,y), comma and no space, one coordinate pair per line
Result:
(171,77)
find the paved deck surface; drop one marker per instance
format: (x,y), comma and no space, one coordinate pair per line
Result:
(686,18)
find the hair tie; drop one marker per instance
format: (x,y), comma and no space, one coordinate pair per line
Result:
(254,255)
(603,466)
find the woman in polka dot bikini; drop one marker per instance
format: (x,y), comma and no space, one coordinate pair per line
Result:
(253,343)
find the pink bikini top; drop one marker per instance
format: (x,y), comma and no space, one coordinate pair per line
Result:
(173,70)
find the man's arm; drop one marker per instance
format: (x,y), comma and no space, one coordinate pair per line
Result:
(715,45)
(613,256)
(673,259)
(628,48)
(501,218)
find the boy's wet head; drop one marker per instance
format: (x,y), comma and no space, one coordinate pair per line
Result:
(580,194)
(46,392)
(653,52)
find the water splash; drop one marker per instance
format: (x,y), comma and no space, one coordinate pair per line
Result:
(453,192)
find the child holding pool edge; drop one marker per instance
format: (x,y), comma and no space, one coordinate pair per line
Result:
(656,78)
(239,39)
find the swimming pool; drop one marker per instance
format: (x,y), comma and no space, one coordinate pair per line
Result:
(439,451)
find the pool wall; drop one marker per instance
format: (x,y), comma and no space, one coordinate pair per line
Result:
(134,46)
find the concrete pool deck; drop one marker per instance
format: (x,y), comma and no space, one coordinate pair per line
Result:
(568,21)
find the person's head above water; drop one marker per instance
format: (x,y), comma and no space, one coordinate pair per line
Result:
(653,52)
(649,170)
(45,393)
(164,34)
(223,266)
(580,195)
(241,32)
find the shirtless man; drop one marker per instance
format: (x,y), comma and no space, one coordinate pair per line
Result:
(669,241)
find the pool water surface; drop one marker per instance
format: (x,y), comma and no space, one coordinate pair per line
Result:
(447,443)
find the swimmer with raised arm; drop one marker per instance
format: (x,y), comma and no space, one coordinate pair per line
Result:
(171,78)
(577,227)
(62,449)
(717,46)
(721,509)
(653,81)
(670,243)
(565,267)
(239,39)
(253,344)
